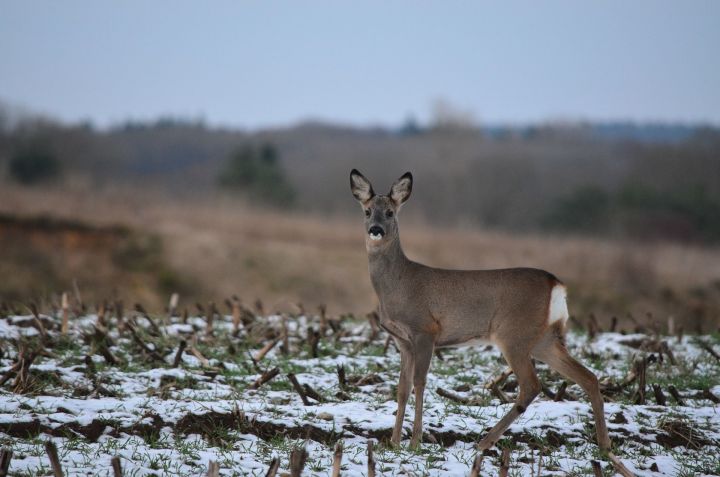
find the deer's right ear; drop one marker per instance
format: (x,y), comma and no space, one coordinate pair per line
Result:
(360,186)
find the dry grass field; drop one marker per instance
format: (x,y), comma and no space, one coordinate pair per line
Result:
(217,247)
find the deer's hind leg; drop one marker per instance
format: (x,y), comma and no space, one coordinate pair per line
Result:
(523,368)
(555,355)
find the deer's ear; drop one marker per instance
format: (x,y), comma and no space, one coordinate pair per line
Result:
(401,189)
(360,186)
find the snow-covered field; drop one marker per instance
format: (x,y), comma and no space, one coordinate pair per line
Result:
(166,420)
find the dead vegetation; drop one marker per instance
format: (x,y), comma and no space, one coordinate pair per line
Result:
(285,361)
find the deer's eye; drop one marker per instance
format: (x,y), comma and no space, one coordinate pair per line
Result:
(367,212)
(389,213)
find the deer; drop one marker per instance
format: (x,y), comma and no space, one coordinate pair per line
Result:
(522,311)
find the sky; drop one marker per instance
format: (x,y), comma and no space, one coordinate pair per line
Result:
(256,64)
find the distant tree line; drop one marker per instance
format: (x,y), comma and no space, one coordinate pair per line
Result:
(641,181)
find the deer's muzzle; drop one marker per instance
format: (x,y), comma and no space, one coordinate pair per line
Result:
(376,232)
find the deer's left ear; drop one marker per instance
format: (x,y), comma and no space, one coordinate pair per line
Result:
(401,189)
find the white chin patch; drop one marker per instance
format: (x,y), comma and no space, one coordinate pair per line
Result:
(375,236)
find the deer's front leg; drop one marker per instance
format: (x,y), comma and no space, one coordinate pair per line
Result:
(403,389)
(422,353)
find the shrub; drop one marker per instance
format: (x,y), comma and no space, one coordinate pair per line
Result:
(256,172)
(638,210)
(34,163)
(585,209)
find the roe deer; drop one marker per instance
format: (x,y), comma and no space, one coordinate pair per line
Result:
(521,310)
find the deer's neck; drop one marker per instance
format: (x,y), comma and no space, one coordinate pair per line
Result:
(388,264)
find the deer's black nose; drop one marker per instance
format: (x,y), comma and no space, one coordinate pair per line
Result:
(376,230)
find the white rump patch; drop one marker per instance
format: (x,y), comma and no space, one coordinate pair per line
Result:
(558,304)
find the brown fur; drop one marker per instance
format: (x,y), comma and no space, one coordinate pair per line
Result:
(424,307)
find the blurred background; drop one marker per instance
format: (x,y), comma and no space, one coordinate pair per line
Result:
(148,148)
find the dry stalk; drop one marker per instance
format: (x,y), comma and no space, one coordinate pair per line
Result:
(337,459)
(707,394)
(210,318)
(145,347)
(172,306)
(117,469)
(388,340)
(78,296)
(708,348)
(374,320)
(65,313)
(504,462)
(179,354)
(203,360)
(142,312)
(23,379)
(266,349)
(341,376)
(102,309)
(272,470)
(310,392)
(120,315)
(313,341)
(593,327)
(323,319)
(659,395)
(477,465)
(38,324)
(498,393)
(235,307)
(619,466)
(499,380)
(5,458)
(297,461)
(51,451)
(213,469)
(107,354)
(452,396)
(370,459)
(11,372)
(254,362)
(266,376)
(285,338)
(299,389)
(640,368)
(676,395)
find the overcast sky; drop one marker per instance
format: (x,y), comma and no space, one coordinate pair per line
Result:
(267,63)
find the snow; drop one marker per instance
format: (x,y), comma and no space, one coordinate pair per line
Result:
(146,397)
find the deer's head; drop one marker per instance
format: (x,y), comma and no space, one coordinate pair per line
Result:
(380,210)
